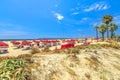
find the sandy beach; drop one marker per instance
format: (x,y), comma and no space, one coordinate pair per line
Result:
(90,63)
(87,65)
(59,40)
(14,51)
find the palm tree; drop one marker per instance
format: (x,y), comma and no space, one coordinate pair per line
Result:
(106,20)
(103,29)
(97,28)
(113,28)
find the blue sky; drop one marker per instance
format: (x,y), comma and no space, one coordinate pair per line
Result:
(54,18)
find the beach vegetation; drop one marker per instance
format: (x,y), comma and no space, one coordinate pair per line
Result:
(107,27)
(24,56)
(35,50)
(113,28)
(103,29)
(46,49)
(97,28)
(116,66)
(20,67)
(6,57)
(75,50)
(95,51)
(14,69)
(107,19)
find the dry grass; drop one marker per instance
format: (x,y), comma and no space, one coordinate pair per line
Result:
(24,56)
(34,50)
(54,75)
(75,50)
(56,50)
(46,49)
(117,55)
(92,62)
(74,68)
(83,66)
(117,66)
(87,75)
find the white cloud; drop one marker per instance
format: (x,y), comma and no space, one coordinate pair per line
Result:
(97,6)
(75,13)
(83,20)
(58,16)
(105,7)
(76,8)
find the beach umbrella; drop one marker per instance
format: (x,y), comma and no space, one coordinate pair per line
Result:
(25,42)
(56,41)
(3,44)
(15,42)
(69,40)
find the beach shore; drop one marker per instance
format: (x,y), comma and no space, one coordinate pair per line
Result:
(13,51)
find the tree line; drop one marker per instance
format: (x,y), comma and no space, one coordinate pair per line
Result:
(107,27)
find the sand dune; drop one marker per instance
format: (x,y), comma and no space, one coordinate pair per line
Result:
(90,64)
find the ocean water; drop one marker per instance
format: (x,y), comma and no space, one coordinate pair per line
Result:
(14,39)
(33,39)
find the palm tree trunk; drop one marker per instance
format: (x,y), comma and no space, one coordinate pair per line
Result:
(103,36)
(97,34)
(111,35)
(107,32)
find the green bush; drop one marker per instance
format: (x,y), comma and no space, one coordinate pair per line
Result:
(71,50)
(75,50)
(14,69)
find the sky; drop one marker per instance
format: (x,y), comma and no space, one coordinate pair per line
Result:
(21,19)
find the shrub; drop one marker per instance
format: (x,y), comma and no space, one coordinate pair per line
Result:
(95,51)
(75,50)
(6,57)
(14,69)
(34,50)
(66,51)
(25,56)
(46,49)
